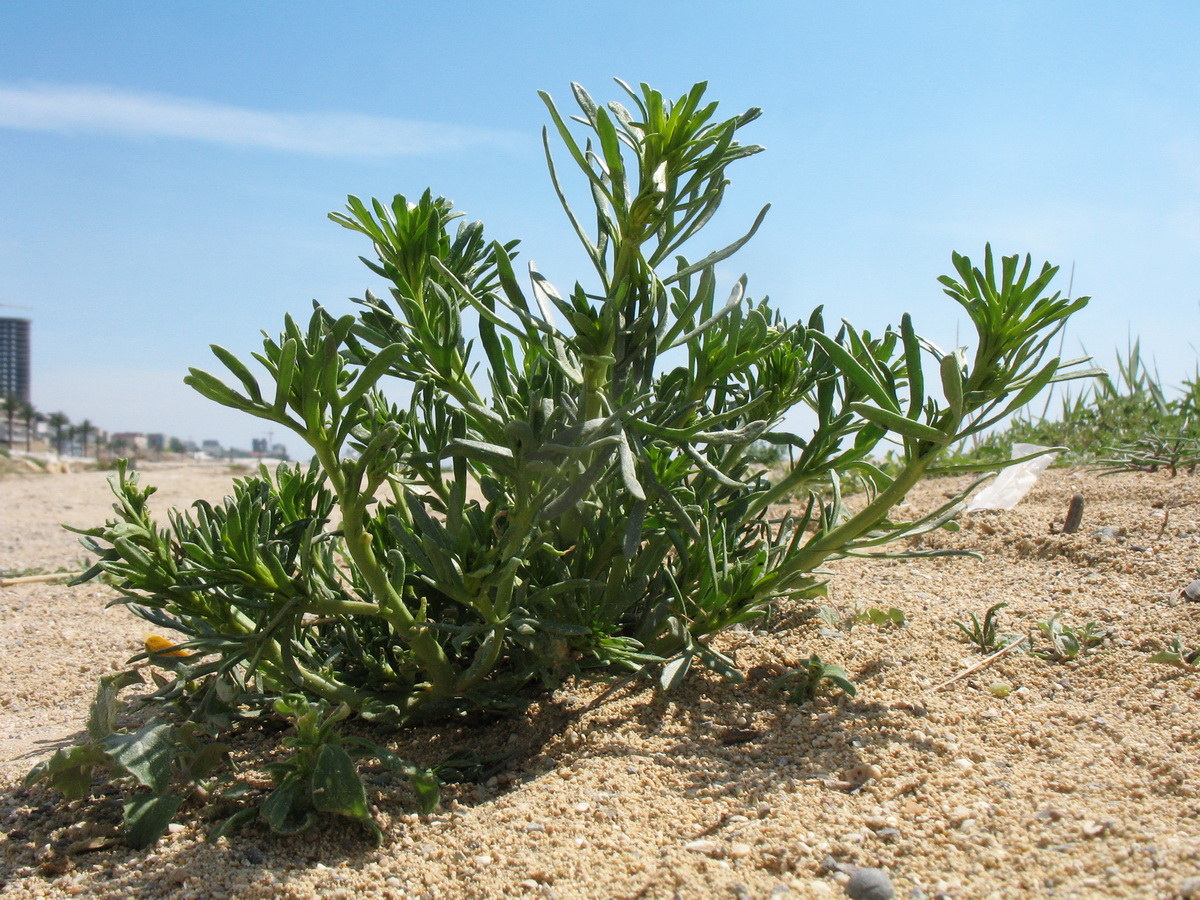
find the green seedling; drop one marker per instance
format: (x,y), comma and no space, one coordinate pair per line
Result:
(1066,641)
(835,619)
(1179,656)
(158,765)
(985,635)
(876,616)
(1000,689)
(319,777)
(813,678)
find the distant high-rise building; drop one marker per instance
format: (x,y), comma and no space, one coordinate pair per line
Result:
(14,359)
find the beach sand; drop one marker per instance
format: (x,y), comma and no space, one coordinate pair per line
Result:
(1084,781)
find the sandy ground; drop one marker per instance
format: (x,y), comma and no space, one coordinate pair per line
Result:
(1084,781)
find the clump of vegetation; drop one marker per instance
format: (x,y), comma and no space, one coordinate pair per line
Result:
(1154,453)
(614,432)
(1069,641)
(812,678)
(1128,422)
(844,620)
(1178,655)
(986,635)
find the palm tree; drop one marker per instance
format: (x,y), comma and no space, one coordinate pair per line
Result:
(30,416)
(59,422)
(84,429)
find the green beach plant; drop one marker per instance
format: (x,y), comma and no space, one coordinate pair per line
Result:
(986,635)
(812,678)
(570,485)
(1178,655)
(1069,641)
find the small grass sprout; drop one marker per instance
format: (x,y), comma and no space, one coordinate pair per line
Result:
(1152,454)
(985,635)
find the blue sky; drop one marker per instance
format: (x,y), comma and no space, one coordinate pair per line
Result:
(166,168)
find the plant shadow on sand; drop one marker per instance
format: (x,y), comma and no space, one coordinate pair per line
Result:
(710,739)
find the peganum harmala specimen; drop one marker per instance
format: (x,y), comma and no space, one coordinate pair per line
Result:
(610,431)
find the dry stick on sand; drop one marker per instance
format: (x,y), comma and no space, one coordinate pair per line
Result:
(35,579)
(987,661)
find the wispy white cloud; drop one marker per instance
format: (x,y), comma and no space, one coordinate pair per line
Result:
(100,109)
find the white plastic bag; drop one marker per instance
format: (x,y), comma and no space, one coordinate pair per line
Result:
(1014,482)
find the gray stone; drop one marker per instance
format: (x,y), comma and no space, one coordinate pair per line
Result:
(1191,593)
(1189,889)
(870,884)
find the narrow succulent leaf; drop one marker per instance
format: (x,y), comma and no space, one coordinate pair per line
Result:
(719,255)
(852,369)
(675,671)
(912,366)
(578,488)
(284,373)
(899,424)
(216,390)
(736,295)
(629,468)
(952,384)
(238,368)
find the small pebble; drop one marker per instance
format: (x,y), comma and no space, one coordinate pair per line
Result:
(863,773)
(1050,814)
(870,884)
(965,764)
(708,848)
(739,850)
(1189,889)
